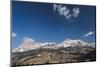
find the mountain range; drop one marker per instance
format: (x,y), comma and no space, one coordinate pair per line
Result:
(29,44)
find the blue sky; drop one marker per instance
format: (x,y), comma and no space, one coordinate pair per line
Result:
(44,24)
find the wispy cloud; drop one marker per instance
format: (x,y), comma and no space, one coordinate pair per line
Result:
(14,34)
(66,12)
(28,39)
(89,33)
(76,12)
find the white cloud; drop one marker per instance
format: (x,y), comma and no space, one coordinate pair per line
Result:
(28,39)
(64,11)
(88,34)
(54,7)
(14,34)
(76,12)
(68,13)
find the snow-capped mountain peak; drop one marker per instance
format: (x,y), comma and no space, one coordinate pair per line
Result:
(30,44)
(69,42)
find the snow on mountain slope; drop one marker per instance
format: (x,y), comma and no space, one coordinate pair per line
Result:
(30,44)
(51,45)
(69,42)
